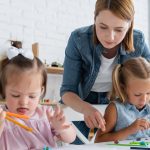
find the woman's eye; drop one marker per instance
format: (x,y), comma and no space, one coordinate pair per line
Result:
(103,28)
(118,30)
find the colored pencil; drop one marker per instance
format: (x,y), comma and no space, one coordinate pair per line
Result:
(140,148)
(119,144)
(17,115)
(19,124)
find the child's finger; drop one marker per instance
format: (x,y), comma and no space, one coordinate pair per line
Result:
(49,113)
(60,115)
(1,110)
(57,110)
(66,126)
(2,117)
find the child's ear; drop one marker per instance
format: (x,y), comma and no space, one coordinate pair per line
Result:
(42,90)
(42,93)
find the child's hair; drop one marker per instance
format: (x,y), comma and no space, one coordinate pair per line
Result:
(19,64)
(132,68)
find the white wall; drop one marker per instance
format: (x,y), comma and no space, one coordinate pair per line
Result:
(50,22)
(141,17)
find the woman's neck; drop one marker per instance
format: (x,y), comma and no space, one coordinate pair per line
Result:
(110,53)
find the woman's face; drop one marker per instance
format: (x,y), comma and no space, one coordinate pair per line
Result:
(110,29)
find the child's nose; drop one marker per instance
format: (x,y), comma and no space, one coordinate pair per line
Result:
(24,100)
(144,97)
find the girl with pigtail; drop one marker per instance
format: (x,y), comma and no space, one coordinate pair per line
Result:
(127,115)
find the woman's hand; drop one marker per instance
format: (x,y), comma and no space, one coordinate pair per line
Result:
(57,119)
(2,118)
(139,124)
(93,118)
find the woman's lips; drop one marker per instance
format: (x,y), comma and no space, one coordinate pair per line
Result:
(109,43)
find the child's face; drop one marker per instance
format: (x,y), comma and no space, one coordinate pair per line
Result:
(23,92)
(138,91)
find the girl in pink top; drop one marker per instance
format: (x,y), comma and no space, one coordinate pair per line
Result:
(23,81)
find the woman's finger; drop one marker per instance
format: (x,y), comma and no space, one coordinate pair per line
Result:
(89,123)
(101,122)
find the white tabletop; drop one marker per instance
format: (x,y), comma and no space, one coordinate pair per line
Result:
(100,146)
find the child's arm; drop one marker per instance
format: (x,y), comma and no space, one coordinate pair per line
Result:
(110,118)
(63,129)
(2,118)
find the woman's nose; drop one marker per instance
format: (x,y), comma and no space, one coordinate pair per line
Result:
(111,35)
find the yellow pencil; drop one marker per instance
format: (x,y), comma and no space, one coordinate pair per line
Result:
(19,124)
(17,115)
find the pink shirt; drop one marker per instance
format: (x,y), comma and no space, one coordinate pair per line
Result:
(16,138)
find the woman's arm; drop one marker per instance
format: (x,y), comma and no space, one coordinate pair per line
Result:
(92,117)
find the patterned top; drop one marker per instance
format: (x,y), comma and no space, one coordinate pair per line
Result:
(14,137)
(127,114)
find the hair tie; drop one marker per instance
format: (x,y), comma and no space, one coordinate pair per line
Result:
(13,51)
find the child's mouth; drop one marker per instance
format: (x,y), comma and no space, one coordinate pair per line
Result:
(22,110)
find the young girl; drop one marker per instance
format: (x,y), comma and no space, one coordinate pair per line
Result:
(23,81)
(127,116)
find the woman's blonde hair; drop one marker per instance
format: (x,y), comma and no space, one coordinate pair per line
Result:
(124,9)
(132,68)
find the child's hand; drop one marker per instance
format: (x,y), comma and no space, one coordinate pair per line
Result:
(139,124)
(57,119)
(2,118)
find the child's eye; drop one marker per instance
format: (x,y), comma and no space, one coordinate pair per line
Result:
(32,96)
(137,95)
(15,95)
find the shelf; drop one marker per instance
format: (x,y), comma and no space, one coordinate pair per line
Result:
(55,70)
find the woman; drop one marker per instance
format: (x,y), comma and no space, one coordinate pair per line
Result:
(91,54)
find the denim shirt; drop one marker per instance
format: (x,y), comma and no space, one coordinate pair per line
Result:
(127,114)
(82,60)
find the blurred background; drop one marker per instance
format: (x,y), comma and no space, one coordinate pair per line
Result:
(50,23)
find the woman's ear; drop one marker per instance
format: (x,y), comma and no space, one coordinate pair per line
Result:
(129,24)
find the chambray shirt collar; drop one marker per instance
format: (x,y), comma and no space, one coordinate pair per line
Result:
(130,106)
(122,50)
(99,48)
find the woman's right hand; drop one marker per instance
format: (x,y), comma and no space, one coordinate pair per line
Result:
(2,118)
(93,118)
